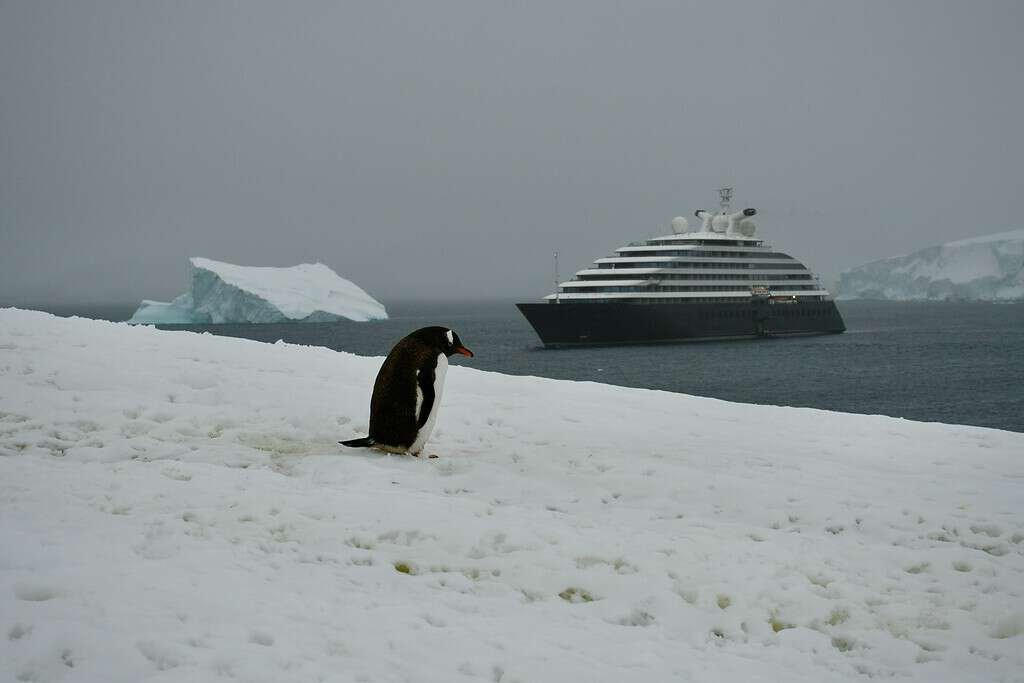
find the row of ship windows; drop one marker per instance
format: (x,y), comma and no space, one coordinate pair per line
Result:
(713,243)
(789,311)
(718,254)
(695,288)
(817,312)
(669,300)
(701,276)
(794,265)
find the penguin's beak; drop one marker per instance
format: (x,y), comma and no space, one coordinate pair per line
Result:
(463,350)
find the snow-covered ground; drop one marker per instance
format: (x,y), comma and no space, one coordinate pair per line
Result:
(174,507)
(987,268)
(226,293)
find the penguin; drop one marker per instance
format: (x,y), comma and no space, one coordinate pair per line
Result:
(407,392)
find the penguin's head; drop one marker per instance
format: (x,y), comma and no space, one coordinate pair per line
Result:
(443,339)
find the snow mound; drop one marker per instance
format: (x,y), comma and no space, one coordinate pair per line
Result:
(175,507)
(988,268)
(226,293)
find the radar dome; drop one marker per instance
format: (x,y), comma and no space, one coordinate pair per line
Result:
(680,225)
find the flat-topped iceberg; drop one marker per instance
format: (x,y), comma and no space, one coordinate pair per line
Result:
(226,293)
(989,268)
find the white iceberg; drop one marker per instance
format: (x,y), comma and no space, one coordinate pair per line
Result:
(989,268)
(226,293)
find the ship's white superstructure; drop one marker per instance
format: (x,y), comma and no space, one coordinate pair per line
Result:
(720,262)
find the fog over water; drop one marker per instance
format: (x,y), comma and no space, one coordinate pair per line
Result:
(445,149)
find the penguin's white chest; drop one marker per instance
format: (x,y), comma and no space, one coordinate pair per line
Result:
(421,436)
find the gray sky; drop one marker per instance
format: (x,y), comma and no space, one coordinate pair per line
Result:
(437,149)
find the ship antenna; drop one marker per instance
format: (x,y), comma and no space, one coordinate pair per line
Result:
(557,288)
(724,197)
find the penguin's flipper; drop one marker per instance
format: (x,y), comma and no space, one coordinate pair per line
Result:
(425,384)
(364,442)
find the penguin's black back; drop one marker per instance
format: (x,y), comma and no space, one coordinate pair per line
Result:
(393,419)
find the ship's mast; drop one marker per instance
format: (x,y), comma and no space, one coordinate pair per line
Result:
(557,288)
(724,197)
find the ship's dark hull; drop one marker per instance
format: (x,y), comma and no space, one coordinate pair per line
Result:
(574,324)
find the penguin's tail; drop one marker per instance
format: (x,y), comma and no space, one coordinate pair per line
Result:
(364,442)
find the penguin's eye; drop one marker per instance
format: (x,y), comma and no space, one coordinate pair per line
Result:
(451,338)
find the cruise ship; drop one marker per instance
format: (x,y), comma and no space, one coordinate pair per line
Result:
(718,281)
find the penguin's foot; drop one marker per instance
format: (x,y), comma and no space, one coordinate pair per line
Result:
(391,450)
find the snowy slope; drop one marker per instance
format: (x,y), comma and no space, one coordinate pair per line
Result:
(224,293)
(174,507)
(989,268)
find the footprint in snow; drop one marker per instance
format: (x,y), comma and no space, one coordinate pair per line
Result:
(261,638)
(34,592)
(990,530)
(162,656)
(19,631)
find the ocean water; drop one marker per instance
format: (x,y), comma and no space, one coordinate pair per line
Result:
(939,362)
